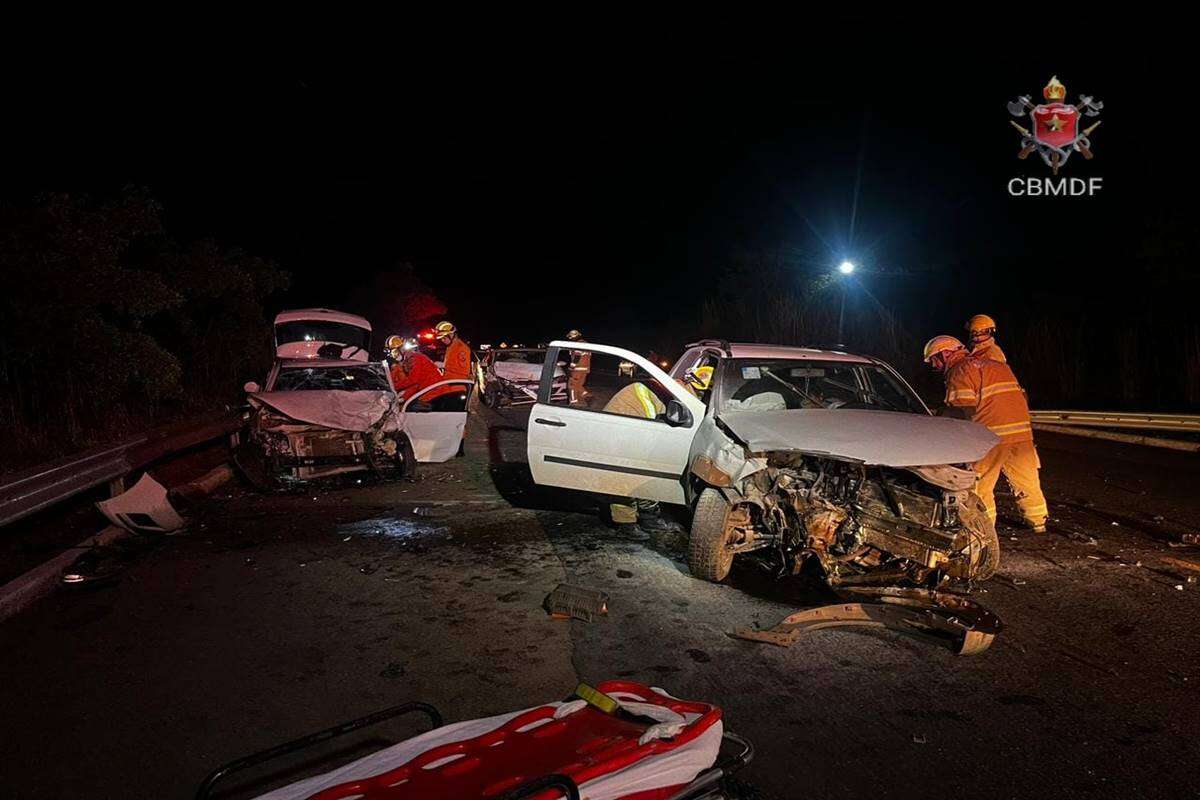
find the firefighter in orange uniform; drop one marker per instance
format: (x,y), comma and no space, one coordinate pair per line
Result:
(982,330)
(987,392)
(413,371)
(457,363)
(577,371)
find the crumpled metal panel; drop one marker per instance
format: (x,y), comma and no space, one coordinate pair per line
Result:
(359,411)
(884,438)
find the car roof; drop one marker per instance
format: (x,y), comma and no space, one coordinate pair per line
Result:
(300,363)
(321,315)
(751,350)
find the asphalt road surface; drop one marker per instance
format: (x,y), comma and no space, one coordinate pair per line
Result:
(272,616)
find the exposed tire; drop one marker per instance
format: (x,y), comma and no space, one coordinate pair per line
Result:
(709,556)
(250,463)
(983,535)
(405,460)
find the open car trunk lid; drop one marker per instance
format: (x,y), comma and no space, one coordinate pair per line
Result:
(883,438)
(302,334)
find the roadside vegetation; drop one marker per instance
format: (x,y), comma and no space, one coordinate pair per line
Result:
(109,325)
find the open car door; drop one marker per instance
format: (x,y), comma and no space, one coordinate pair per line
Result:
(575,447)
(435,418)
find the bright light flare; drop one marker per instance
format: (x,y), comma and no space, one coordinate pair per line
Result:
(846,267)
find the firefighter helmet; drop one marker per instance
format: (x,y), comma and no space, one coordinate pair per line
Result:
(981,322)
(699,378)
(941,344)
(393,344)
(445,328)
(573,335)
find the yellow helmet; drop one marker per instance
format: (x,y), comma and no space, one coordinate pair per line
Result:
(941,344)
(980,322)
(573,334)
(445,328)
(393,344)
(699,378)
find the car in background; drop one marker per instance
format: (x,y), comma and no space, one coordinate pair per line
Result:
(313,418)
(803,459)
(511,376)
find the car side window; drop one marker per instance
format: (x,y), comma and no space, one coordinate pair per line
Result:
(607,387)
(444,399)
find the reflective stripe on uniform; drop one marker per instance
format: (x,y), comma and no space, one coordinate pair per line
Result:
(960,394)
(1011,428)
(1001,388)
(646,398)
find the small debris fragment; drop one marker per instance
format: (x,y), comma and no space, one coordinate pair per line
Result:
(919,738)
(1179,587)
(1190,538)
(574,602)
(368,569)
(346,539)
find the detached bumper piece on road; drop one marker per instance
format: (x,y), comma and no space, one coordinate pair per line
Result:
(963,625)
(620,740)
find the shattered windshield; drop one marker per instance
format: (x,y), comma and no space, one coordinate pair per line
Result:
(775,385)
(367,377)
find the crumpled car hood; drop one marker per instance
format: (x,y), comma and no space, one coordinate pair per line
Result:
(330,408)
(884,438)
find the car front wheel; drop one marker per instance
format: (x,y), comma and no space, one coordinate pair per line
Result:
(712,541)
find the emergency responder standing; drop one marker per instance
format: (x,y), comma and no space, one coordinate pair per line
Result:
(457,363)
(982,331)
(987,392)
(577,371)
(637,400)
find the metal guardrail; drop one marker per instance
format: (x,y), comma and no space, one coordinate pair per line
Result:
(1136,420)
(31,490)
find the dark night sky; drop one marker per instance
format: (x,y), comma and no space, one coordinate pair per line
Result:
(599,182)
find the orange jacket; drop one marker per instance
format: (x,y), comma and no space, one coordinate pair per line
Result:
(458,360)
(989,349)
(421,373)
(457,365)
(990,388)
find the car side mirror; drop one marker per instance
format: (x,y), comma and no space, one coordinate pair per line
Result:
(420,406)
(251,387)
(677,415)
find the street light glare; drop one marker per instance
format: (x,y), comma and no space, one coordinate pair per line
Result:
(846,267)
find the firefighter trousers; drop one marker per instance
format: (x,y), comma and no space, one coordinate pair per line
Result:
(1018,462)
(576,386)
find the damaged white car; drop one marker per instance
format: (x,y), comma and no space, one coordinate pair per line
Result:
(317,417)
(803,459)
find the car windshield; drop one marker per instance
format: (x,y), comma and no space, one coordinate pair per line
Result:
(367,377)
(777,384)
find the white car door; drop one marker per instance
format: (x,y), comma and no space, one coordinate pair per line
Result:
(435,426)
(580,448)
